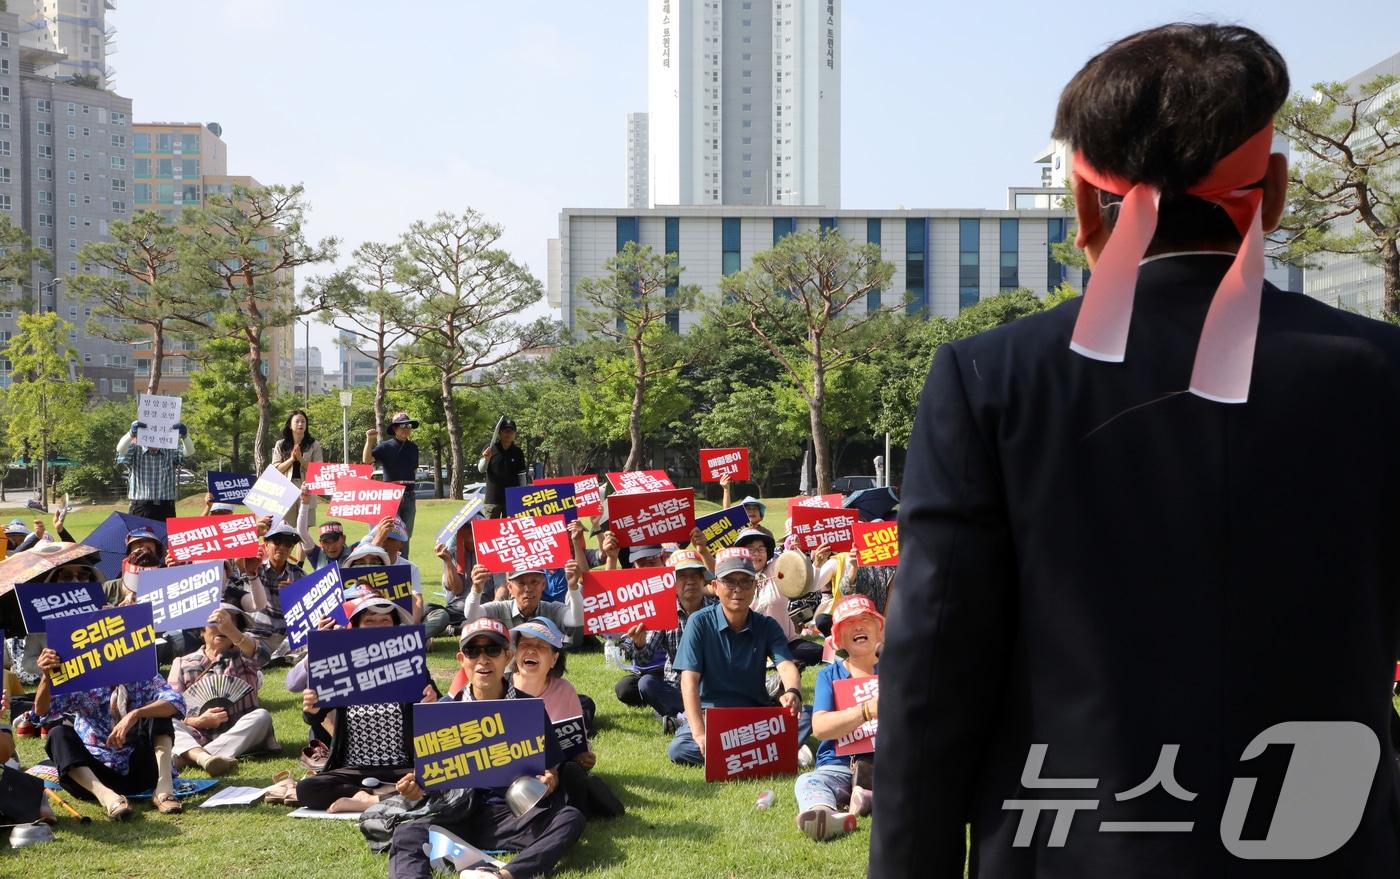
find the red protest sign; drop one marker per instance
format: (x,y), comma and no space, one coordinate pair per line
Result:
(205,538)
(876,543)
(850,692)
(645,518)
(364,500)
(715,464)
(640,480)
(321,476)
(824,501)
(814,526)
(588,494)
(615,601)
(524,544)
(749,743)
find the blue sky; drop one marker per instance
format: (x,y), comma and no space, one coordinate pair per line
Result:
(389,112)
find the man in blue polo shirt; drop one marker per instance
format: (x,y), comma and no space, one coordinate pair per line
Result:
(723,659)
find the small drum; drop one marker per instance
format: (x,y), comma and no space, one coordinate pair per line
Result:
(795,575)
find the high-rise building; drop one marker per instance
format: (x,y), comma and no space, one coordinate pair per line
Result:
(744,102)
(172,162)
(314,375)
(357,369)
(638,176)
(76,30)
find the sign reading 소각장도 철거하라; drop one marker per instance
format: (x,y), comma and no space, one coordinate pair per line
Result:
(715,464)
(486,744)
(817,526)
(615,601)
(366,666)
(205,538)
(504,546)
(183,596)
(848,693)
(228,488)
(159,414)
(364,500)
(307,601)
(321,476)
(749,743)
(653,517)
(542,500)
(103,648)
(588,493)
(41,602)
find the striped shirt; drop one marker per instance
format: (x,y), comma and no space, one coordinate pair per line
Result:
(151,472)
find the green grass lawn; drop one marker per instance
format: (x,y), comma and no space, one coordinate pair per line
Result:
(676,824)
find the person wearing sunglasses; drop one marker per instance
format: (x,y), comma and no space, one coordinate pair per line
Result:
(541,836)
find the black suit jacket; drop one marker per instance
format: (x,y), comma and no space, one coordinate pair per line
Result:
(1095,560)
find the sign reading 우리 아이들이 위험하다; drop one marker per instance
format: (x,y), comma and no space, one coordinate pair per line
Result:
(848,693)
(364,500)
(615,601)
(876,543)
(272,495)
(183,596)
(542,500)
(653,517)
(229,488)
(522,544)
(41,602)
(626,481)
(722,529)
(159,414)
(392,582)
(305,602)
(815,526)
(321,476)
(486,744)
(206,538)
(103,648)
(365,666)
(749,743)
(588,494)
(715,464)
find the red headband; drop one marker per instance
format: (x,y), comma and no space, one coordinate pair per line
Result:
(1225,352)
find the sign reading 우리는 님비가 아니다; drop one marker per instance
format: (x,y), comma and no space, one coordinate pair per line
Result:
(479,744)
(626,481)
(182,596)
(206,538)
(366,666)
(876,543)
(159,414)
(41,602)
(542,500)
(229,488)
(364,500)
(104,648)
(817,526)
(392,582)
(522,544)
(588,493)
(653,517)
(321,476)
(715,464)
(749,743)
(310,599)
(615,601)
(848,693)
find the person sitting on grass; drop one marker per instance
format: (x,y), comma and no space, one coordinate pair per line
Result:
(214,738)
(772,603)
(267,623)
(828,789)
(482,817)
(367,741)
(329,547)
(723,657)
(121,741)
(144,550)
(526,590)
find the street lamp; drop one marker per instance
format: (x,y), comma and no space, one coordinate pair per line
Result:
(346,397)
(40,289)
(307,353)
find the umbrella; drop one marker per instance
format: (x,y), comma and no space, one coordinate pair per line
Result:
(873,503)
(23,567)
(110,539)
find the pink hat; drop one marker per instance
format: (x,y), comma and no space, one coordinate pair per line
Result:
(849,608)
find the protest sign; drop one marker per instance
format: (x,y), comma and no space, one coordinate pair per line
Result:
(722,529)
(307,601)
(826,501)
(181,597)
(644,518)
(640,480)
(876,543)
(321,476)
(205,538)
(588,494)
(394,582)
(523,544)
(447,536)
(715,464)
(272,495)
(365,666)
(364,500)
(749,743)
(159,414)
(850,692)
(228,488)
(103,648)
(570,736)
(41,602)
(814,526)
(542,500)
(615,601)
(484,744)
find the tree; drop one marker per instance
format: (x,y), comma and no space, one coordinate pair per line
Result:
(747,418)
(1066,252)
(221,403)
(800,299)
(246,246)
(17,257)
(465,291)
(140,293)
(609,401)
(46,391)
(96,473)
(365,302)
(1349,174)
(629,305)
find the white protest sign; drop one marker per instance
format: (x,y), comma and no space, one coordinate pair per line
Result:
(159,414)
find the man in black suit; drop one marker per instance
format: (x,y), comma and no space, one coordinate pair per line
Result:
(1108,568)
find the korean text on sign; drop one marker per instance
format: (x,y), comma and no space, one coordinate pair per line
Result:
(364,666)
(815,526)
(364,500)
(183,596)
(642,518)
(715,464)
(448,535)
(523,544)
(588,494)
(721,529)
(542,500)
(41,602)
(850,692)
(876,543)
(228,488)
(307,601)
(205,538)
(103,648)
(615,601)
(321,476)
(159,415)
(484,744)
(272,495)
(640,480)
(749,743)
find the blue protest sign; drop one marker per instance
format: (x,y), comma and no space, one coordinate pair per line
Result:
(364,666)
(394,582)
(103,648)
(478,744)
(306,601)
(722,529)
(555,499)
(570,736)
(229,488)
(181,597)
(448,535)
(41,602)
(272,495)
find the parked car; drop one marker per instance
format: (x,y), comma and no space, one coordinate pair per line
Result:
(852,484)
(424,488)
(473,490)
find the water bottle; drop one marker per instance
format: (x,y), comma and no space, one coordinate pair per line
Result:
(612,655)
(764,800)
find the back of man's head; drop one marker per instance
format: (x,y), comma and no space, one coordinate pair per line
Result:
(1163,106)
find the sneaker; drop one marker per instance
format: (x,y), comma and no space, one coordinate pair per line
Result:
(218,765)
(805,760)
(823,824)
(669,725)
(26,728)
(862,801)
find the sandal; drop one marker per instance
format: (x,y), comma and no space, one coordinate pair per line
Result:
(282,791)
(120,810)
(167,804)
